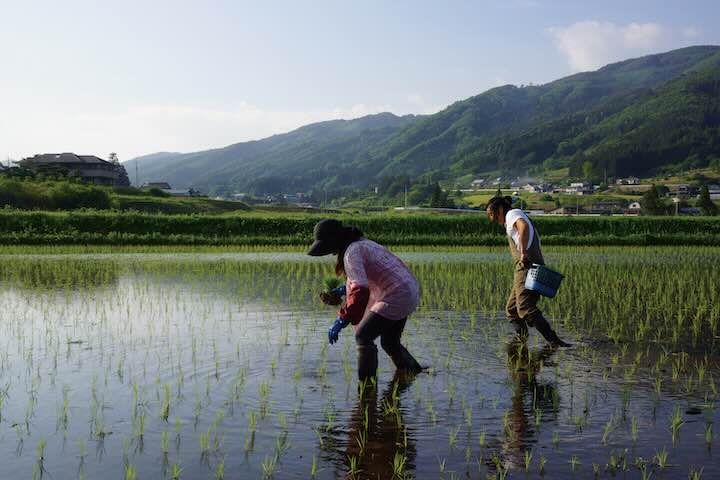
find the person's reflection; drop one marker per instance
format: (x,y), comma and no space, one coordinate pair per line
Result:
(532,401)
(378,438)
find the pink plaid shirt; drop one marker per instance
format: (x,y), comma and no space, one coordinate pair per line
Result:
(394,291)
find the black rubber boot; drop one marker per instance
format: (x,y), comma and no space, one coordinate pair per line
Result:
(367,361)
(404,361)
(548,333)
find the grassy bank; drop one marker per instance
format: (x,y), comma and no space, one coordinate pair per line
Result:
(132,228)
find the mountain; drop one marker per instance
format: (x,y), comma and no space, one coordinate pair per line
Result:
(630,117)
(510,128)
(293,161)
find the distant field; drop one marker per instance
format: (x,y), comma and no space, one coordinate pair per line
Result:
(176,205)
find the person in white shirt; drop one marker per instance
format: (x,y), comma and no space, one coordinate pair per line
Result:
(524,242)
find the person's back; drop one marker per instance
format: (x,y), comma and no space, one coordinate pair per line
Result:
(533,251)
(394,291)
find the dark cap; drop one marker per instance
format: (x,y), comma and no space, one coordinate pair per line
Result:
(327,235)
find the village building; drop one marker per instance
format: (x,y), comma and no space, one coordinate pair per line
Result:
(88,168)
(477,184)
(160,185)
(580,188)
(607,207)
(628,181)
(567,210)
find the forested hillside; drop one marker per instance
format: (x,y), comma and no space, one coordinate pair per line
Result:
(637,117)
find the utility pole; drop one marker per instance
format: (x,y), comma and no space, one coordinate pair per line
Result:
(406,196)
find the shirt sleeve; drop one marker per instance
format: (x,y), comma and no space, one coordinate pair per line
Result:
(358,291)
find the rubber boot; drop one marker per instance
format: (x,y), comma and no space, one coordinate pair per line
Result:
(367,362)
(548,333)
(404,361)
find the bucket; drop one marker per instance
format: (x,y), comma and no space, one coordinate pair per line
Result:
(543,280)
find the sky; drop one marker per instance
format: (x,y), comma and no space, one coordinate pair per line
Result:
(137,77)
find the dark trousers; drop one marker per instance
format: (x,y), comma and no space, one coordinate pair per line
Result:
(389,331)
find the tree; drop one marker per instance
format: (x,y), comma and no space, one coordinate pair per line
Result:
(113,158)
(651,203)
(439,198)
(705,203)
(587,169)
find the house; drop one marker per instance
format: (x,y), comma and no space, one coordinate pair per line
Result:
(580,188)
(87,168)
(607,207)
(567,210)
(714,191)
(477,184)
(682,190)
(160,185)
(538,187)
(628,181)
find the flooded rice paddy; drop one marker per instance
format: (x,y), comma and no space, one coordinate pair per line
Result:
(214,366)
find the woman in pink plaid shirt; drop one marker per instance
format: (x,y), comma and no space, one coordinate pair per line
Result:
(380,294)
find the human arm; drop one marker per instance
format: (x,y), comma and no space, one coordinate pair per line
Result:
(523,230)
(358,291)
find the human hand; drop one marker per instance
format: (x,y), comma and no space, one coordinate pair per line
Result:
(330,298)
(335,329)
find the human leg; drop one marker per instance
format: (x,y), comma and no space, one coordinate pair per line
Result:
(390,342)
(527,309)
(511,313)
(369,328)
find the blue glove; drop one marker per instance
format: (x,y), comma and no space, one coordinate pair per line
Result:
(339,291)
(335,329)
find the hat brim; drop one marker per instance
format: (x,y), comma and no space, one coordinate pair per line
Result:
(320,248)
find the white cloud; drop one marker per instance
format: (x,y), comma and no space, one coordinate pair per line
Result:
(590,44)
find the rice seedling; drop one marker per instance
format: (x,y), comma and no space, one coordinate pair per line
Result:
(695,473)
(574,462)
(269,465)
(676,421)
(130,472)
(399,465)
(220,469)
(353,466)
(314,467)
(708,434)
(527,456)
(175,471)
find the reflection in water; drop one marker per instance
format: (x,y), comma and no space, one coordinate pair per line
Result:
(532,401)
(379,444)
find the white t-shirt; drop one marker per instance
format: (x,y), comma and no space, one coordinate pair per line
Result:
(513,216)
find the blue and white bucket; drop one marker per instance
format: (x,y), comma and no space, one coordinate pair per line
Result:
(543,280)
